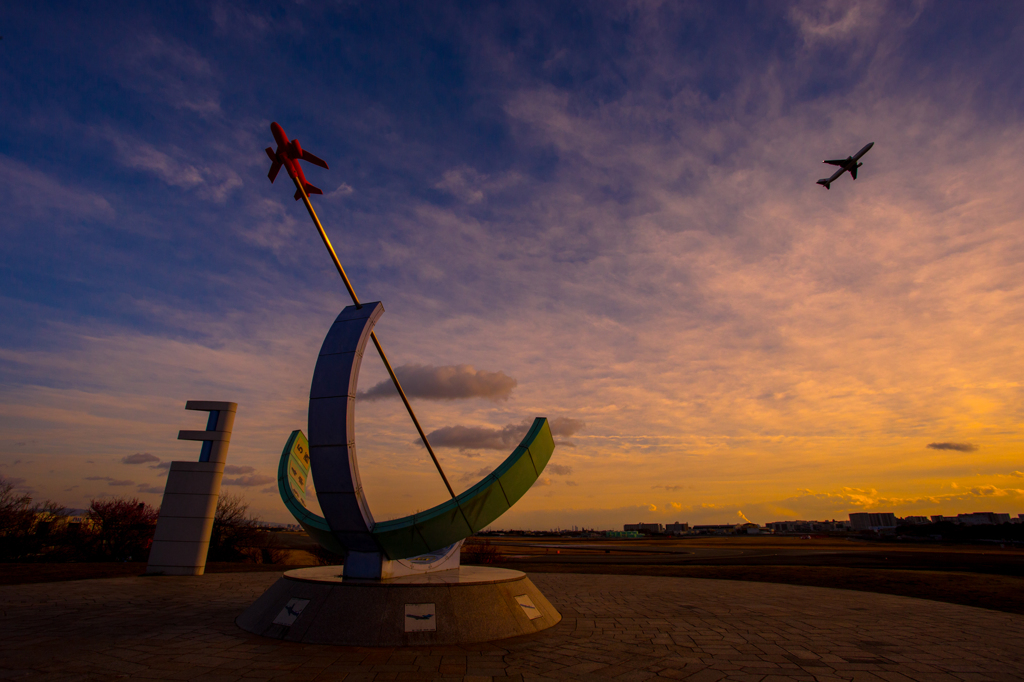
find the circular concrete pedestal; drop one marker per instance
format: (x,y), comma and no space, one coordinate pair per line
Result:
(468,604)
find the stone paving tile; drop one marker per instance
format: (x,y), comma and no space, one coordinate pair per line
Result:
(626,628)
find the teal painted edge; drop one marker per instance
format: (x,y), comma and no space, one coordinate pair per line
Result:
(406,537)
(315,526)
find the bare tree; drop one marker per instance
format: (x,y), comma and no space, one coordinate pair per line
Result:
(123,528)
(237,535)
(16,520)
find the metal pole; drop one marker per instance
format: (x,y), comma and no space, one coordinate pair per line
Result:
(373,335)
(334,256)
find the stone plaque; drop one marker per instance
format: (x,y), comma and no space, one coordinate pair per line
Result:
(420,618)
(529,609)
(291,612)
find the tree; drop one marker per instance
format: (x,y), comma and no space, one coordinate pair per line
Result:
(237,535)
(16,520)
(54,537)
(123,528)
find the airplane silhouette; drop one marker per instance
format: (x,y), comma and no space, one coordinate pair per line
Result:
(288,154)
(425,616)
(850,163)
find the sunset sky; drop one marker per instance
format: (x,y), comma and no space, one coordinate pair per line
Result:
(601,213)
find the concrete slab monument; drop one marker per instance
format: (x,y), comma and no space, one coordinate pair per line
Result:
(182,537)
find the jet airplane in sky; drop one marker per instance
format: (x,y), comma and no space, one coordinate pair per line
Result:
(850,163)
(288,154)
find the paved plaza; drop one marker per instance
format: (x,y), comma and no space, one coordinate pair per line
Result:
(613,627)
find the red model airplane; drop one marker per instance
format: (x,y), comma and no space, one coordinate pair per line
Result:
(288,154)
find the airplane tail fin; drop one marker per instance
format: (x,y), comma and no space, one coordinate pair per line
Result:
(310,189)
(824,183)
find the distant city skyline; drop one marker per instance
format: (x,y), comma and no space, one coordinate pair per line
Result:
(602,214)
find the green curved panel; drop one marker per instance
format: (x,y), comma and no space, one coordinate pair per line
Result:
(473,510)
(291,481)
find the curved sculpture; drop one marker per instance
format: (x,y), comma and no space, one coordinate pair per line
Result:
(291,483)
(347,523)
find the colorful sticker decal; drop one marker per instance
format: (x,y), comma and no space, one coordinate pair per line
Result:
(301,452)
(298,469)
(529,609)
(420,618)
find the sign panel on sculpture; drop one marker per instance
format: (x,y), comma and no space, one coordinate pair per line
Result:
(298,470)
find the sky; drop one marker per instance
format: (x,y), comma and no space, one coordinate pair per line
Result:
(602,213)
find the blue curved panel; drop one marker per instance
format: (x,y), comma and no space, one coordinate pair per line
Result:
(332,441)
(332,453)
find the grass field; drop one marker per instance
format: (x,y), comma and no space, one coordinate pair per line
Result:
(989,577)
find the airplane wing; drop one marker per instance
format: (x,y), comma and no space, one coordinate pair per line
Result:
(853,172)
(835,162)
(315,160)
(275,168)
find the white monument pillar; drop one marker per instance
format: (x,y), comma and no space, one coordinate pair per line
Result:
(183,528)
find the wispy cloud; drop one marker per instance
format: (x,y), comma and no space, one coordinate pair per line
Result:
(959,447)
(166,68)
(472,187)
(110,481)
(452,382)
(139,458)
(249,481)
(237,21)
(627,232)
(34,194)
(19,484)
(174,166)
(471,437)
(489,438)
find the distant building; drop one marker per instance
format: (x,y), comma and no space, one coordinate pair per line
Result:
(983,518)
(915,520)
(807,526)
(789,526)
(677,528)
(976,519)
(650,528)
(716,529)
(867,521)
(629,534)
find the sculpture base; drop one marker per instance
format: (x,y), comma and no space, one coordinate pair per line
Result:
(468,604)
